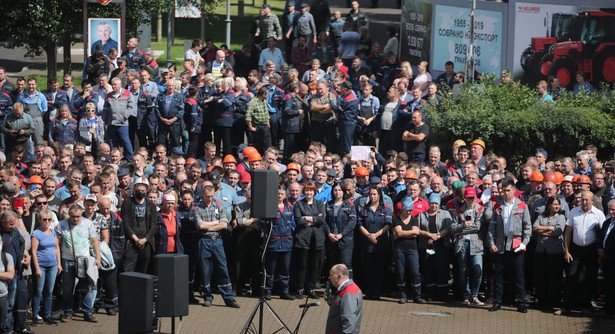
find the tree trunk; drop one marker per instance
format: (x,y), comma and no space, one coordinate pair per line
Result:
(66,44)
(159,27)
(52,60)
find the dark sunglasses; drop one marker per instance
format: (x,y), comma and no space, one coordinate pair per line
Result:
(42,203)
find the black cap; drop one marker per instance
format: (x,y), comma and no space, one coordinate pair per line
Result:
(214,176)
(303,5)
(266,6)
(347,84)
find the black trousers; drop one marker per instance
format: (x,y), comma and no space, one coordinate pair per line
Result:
(248,260)
(548,269)
(307,268)
(509,264)
(608,269)
(169,133)
(262,137)
(373,273)
(136,259)
(581,276)
(326,134)
(222,137)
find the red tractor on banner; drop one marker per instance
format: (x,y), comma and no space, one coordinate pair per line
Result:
(560,30)
(590,49)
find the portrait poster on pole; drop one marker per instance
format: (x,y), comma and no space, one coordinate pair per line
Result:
(104,32)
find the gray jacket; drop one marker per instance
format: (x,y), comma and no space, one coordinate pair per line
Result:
(463,233)
(118,107)
(553,244)
(520,226)
(443,222)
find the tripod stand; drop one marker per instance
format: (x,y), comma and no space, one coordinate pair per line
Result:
(249,326)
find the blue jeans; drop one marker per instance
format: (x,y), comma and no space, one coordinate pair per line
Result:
(407,262)
(68,289)
(213,260)
(473,264)
(17,300)
(120,135)
(346,130)
(44,284)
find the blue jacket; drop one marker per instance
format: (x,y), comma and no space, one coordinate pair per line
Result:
(275,103)
(282,227)
(347,109)
(344,222)
(61,98)
(146,117)
(78,103)
(65,134)
(162,236)
(241,106)
(291,119)
(6,104)
(193,115)
(223,110)
(176,108)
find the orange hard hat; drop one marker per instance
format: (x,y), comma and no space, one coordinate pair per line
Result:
(35,179)
(584,179)
(537,176)
(575,179)
(361,171)
(294,166)
(550,177)
(190,161)
(410,174)
(248,150)
(559,178)
(255,156)
(229,159)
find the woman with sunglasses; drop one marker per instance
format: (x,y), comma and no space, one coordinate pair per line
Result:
(47,265)
(91,127)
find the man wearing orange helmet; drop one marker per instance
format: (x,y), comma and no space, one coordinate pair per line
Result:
(229,163)
(361,176)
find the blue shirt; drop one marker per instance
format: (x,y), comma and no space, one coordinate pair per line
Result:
(324,193)
(46,251)
(275,56)
(62,192)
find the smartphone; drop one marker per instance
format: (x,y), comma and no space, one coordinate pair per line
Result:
(33,187)
(18,203)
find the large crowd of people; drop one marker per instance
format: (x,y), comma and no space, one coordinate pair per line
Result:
(143,161)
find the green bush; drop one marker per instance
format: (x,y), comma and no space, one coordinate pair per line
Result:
(513,123)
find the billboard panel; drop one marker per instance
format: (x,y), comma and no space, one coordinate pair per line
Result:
(452,31)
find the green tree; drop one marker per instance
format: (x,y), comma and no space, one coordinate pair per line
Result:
(41,25)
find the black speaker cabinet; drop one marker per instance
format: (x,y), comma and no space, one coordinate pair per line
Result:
(137,296)
(264,194)
(172,272)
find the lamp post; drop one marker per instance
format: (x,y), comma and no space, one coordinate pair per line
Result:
(228,23)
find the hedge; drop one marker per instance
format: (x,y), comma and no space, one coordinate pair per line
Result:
(513,122)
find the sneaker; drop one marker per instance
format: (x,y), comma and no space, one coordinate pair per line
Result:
(477,302)
(466,302)
(50,321)
(90,318)
(67,318)
(207,303)
(231,303)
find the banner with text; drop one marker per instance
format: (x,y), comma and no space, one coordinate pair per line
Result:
(416,31)
(452,31)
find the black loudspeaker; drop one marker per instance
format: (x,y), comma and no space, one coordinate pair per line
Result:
(264,194)
(137,295)
(172,272)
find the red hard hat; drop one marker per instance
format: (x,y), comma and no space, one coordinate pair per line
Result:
(361,171)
